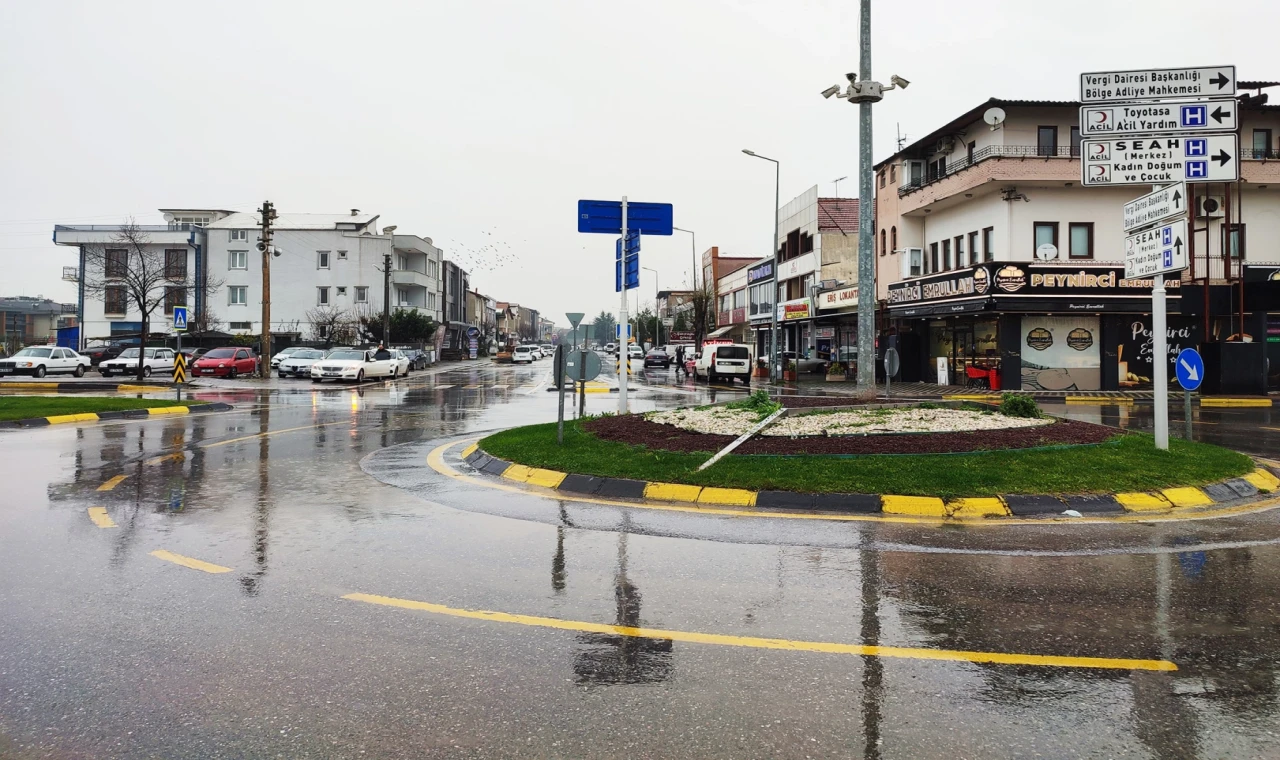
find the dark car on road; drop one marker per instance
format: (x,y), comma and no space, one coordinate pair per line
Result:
(657,357)
(98,354)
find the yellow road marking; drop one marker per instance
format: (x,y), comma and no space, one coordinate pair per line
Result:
(1236,402)
(101,518)
(733,497)
(468,451)
(1142,502)
(1187,497)
(544,478)
(1098,400)
(269,433)
(976,507)
(912,505)
(517,472)
(914,653)
(194,564)
(435,460)
(1263,480)
(970,397)
(107,486)
(672,492)
(178,455)
(155,410)
(139,388)
(62,419)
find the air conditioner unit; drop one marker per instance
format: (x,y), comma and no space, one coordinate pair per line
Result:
(946,145)
(1210,206)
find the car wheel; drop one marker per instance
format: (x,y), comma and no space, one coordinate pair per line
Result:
(316,380)
(39,371)
(360,376)
(104,373)
(282,375)
(234,373)
(394,371)
(146,372)
(79,371)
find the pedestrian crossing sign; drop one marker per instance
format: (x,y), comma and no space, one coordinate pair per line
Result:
(180,368)
(179,318)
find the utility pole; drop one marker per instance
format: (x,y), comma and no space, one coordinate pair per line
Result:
(866,216)
(268,213)
(389,231)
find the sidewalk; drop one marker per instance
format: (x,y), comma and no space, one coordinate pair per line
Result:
(960,392)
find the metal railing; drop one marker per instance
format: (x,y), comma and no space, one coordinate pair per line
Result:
(991,151)
(1259,154)
(118,227)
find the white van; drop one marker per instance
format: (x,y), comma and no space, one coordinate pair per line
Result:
(728,361)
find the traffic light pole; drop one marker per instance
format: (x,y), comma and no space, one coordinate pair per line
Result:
(268,213)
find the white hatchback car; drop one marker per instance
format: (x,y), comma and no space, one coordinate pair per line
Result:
(522,355)
(155,360)
(38,361)
(351,364)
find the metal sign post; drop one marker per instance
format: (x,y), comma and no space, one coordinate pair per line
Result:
(890,369)
(179,361)
(622,320)
(558,364)
(1189,369)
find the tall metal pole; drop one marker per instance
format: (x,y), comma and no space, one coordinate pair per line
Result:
(866,233)
(774,357)
(1160,363)
(623,324)
(386,296)
(268,213)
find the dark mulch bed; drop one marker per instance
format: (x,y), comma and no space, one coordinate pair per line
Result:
(633,429)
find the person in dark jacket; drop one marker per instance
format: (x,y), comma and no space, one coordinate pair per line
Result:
(382,354)
(680,362)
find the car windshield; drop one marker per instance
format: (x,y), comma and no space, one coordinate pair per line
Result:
(732,352)
(128,353)
(307,354)
(522,349)
(657,352)
(289,351)
(220,353)
(351,355)
(41,352)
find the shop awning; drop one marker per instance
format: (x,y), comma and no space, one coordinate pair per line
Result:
(720,332)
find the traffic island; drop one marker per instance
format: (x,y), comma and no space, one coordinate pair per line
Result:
(41,411)
(1051,468)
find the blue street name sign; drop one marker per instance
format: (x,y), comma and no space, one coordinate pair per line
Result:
(626,273)
(606,217)
(179,318)
(1190,369)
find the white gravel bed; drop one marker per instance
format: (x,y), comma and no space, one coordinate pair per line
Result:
(863,422)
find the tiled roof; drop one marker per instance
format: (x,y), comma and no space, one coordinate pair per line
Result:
(838,215)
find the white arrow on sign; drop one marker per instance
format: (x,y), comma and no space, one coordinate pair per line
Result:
(1155,207)
(1160,160)
(1192,375)
(1216,115)
(1157,84)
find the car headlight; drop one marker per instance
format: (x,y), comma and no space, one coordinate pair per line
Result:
(220,366)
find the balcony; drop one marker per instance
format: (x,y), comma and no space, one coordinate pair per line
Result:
(991,151)
(410,277)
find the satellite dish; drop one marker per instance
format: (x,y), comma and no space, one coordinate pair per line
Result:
(994,116)
(1047,252)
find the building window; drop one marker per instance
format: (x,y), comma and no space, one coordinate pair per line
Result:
(893,172)
(740,299)
(322,296)
(972,147)
(932,264)
(961,261)
(431,299)
(402,262)
(115,300)
(402,296)
(946,255)
(237,259)
(1047,141)
(117,264)
(246,326)
(238,295)
(1080,238)
(1075,142)
(893,239)
(881,176)
(362,294)
(342,290)
(1262,144)
(237,236)
(1233,240)
(174,297)
(342,255)
(884,242)
(322,259)
(916,255)
(1045,232)
(938,168)
(974,256)
(175,264)
(989,244)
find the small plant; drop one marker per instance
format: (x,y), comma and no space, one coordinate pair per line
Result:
(1016,405)
(791,365)
(758,402)
(760,364)
(835,368)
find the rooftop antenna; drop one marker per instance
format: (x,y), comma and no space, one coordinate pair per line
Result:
(902,139)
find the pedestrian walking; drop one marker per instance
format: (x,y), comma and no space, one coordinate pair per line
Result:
(680,362)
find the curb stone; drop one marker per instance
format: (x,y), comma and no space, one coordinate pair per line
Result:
(1261,480)
(60,419)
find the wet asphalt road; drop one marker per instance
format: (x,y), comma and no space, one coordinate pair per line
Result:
(305,496)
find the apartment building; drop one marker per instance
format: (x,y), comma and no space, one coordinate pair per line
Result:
(994,262)
(27,319)
(416,276)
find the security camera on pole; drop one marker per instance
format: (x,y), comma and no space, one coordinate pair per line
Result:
(269,215)
(1136,112)
(864,91)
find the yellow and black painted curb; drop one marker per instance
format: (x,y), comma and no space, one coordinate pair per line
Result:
(62,419)
(1111,398)
(81,387)
(1262,480)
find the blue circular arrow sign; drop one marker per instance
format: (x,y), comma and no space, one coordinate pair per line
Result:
(1189,368)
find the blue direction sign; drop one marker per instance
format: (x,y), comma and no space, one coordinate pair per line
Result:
(179,318)
(606,217)
(626,273)
(1190,369)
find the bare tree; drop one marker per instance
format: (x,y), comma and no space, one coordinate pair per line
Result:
(332,325)
(704,311)
(132,274)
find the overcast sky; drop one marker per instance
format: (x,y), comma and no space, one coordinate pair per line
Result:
(481,123)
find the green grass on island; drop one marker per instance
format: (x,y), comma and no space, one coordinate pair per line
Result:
(1129,462)
(26,407)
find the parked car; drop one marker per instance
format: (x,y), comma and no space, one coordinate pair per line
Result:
(193,353)
(298,363)
(285,353)
(402,364)
(39,361)
(547,349)
(522,355)
(230,361)
(98,354)
(657,357)
(417,357)
(154,360)
(635,352)
(351,364)
(727,361)
(804,364)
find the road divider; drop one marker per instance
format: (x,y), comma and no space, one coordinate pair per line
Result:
(101,518)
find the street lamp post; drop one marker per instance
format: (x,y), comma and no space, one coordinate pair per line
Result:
(693,248)
(864,91)
(773,249)
(657,320)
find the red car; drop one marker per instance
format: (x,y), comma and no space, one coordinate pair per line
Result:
(228,362)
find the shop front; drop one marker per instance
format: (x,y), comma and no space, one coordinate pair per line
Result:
(836,327)
(1033,327)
